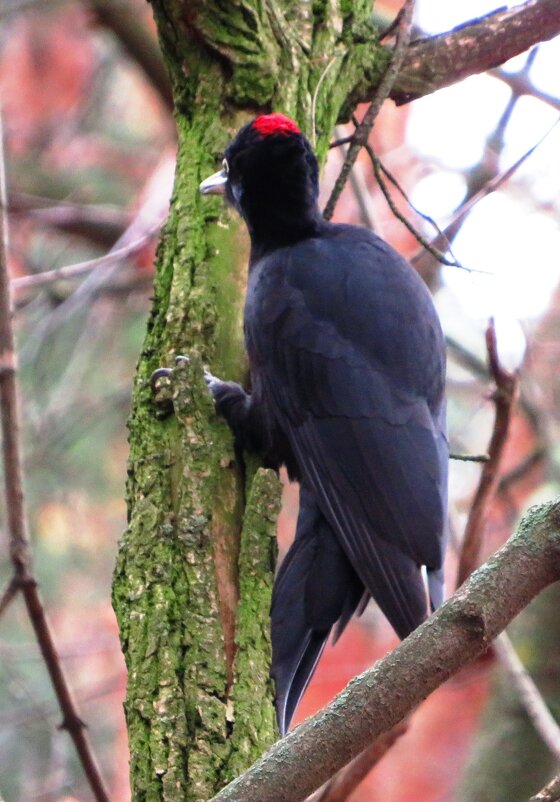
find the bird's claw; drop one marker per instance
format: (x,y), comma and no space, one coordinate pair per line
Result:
(162,389)
(212,382)
(157,375)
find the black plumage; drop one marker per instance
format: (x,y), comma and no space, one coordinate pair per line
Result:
(347,363)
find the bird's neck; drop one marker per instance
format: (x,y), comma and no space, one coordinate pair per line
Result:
(279,224)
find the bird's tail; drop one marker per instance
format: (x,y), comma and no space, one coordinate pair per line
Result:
(436,587)
(315,588)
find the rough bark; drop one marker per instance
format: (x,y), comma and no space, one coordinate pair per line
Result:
(197,716)
(475,47)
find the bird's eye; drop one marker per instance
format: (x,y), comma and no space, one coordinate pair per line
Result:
(225,166)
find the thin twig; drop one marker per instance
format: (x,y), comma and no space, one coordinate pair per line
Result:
(503,397)
(469,457)
(425,243)
(521,85)
(533,702)
(491,186)
(364,128)
(336,143)
(518,473)
(361,194)
(20,551)
(73,271)
(9,595)
(390,177)
(550,793)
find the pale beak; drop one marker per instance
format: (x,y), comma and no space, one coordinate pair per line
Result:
(214,184)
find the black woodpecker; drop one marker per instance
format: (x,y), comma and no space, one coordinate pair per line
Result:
(347,363)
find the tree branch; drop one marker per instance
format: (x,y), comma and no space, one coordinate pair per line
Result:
(474,47)
(537,709)
(363,130)
(550,793)
(342,785)
(20,552)
(122,18)
(503,397)
(379,698)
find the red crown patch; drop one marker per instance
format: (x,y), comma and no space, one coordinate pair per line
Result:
(268,124)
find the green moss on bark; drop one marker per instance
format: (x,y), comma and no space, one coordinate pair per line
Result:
(254,720)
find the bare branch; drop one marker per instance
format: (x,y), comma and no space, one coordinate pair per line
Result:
(533,702)
(9,595)
(521,85)
(521,470)
(476,46)
(469,457)
(122,18)
(439,255)
(492,185)
(20,551)
(339,787)
(114,256)
(503,397)
(364,128)
(379,698)
(550,793)
(99,223)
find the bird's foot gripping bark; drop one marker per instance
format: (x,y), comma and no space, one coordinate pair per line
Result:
(213,383)
(166,385)
(230,399)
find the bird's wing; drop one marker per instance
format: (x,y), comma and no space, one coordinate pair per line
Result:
(367,446)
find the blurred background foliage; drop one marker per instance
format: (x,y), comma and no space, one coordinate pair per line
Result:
(90,141)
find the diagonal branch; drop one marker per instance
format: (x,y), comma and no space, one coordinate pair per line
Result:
(550,793)
(474,47)
(122,18)
(9,594)
(20,551)
(379,698)
(542,719)
(363,130)
(504,396)
(342,785)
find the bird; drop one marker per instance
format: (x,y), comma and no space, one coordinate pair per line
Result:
(347,376)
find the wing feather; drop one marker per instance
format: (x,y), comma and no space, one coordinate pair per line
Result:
(350,359)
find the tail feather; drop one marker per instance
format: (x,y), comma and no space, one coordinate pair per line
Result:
(436,587)
(315,587)
(292,680)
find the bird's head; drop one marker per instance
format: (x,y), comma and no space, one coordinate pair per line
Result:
(270,175)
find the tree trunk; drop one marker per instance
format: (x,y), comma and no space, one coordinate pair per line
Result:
(196,716)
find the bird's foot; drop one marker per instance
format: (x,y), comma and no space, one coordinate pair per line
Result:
(212,382)
(161,384)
